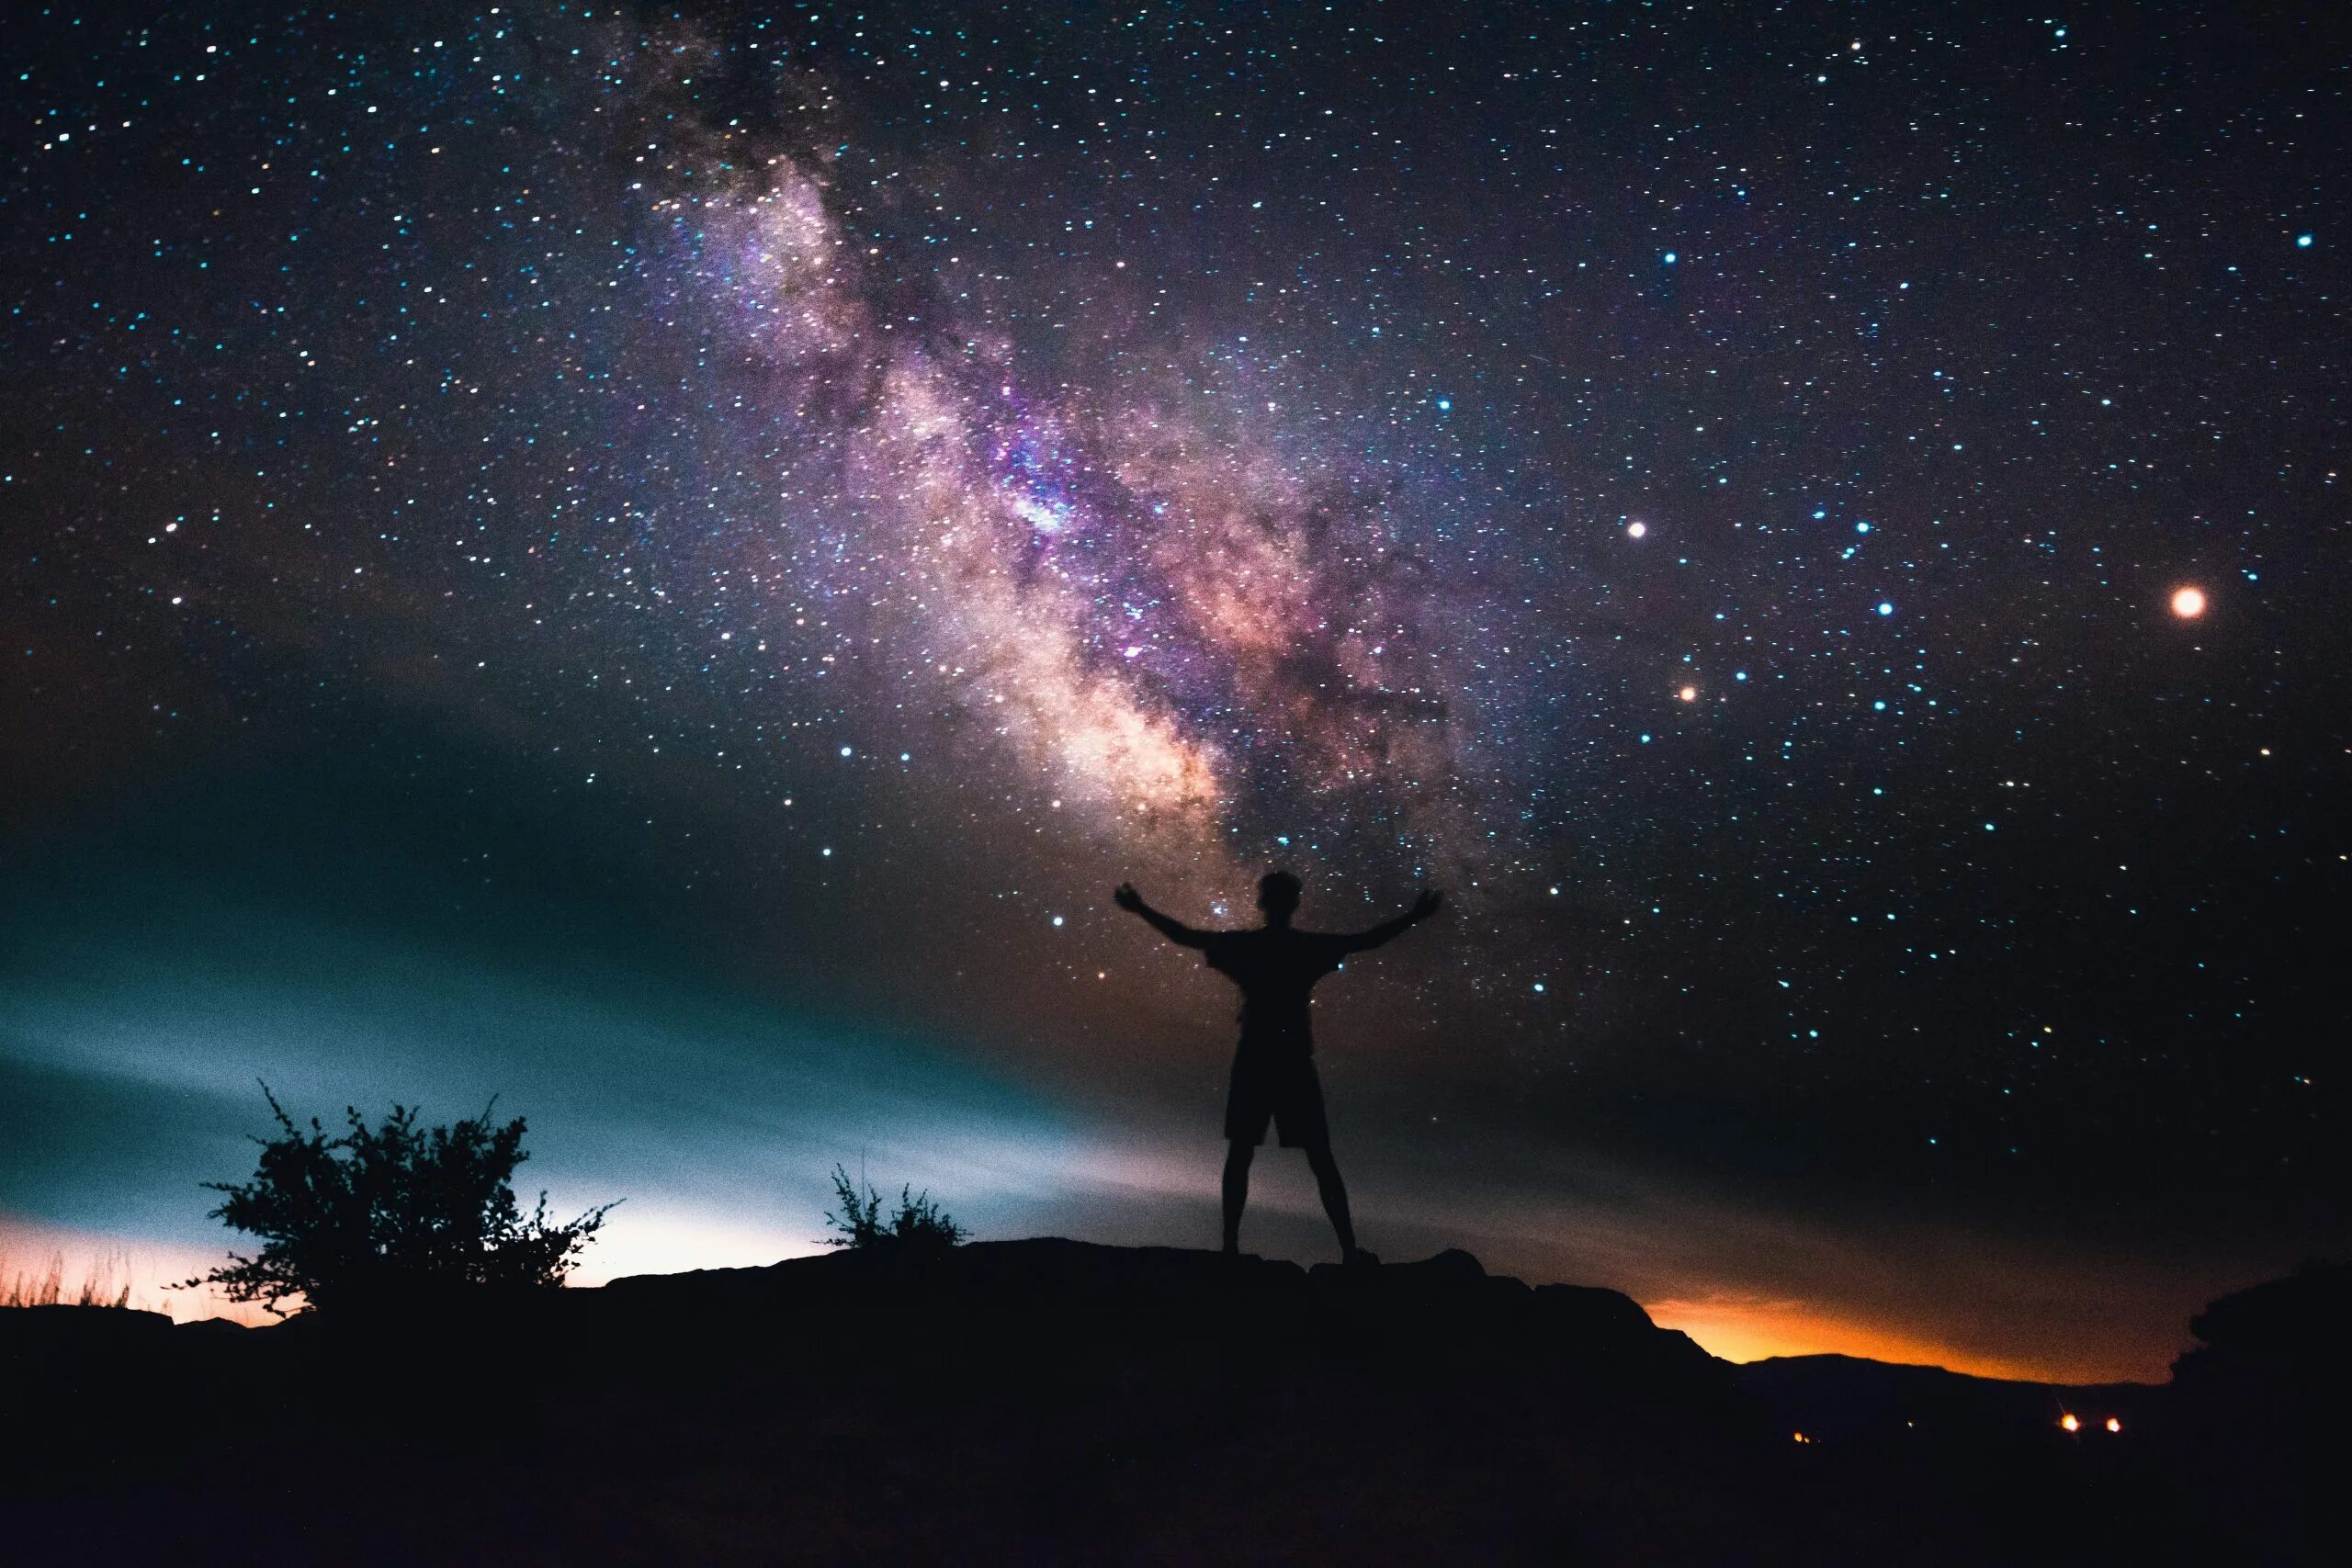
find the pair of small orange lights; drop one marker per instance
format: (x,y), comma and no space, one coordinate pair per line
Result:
(2069,1422)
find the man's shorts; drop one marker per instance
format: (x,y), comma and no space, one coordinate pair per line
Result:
(1283,1089)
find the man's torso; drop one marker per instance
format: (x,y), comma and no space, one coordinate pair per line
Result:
(1277,969)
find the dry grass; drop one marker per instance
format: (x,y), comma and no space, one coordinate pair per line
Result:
(46,1287)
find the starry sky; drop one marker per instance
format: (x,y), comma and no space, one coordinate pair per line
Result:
(660,561)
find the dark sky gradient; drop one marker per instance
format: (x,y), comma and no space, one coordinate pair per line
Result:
(661,562)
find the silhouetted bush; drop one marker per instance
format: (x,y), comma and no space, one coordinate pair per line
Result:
(920,1223)
(48,1288)
(391,1214)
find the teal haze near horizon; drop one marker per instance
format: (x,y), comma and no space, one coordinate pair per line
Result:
(714,1092)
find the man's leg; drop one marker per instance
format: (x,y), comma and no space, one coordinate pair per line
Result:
(1335,1196)
(1237,1191)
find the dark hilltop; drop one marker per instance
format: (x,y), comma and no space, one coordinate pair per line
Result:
(1053,1400)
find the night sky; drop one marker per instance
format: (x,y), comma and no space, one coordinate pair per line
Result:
(661,562)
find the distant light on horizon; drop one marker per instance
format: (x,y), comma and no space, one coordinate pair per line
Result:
(2071,1422)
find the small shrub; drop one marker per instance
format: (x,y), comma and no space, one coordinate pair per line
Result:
(390,1213)
(918,1223)
(48,1288)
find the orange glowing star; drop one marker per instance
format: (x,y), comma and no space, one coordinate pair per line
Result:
(2071,1422)
(1689,694)
(2189,602)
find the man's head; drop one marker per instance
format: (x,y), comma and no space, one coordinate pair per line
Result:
(1278,897)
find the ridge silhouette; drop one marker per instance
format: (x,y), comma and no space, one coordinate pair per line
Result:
(1049,1401)
(1274,1079)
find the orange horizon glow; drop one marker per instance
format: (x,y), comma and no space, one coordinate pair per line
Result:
(107,1265)
(1755,1331)
(1732,1327)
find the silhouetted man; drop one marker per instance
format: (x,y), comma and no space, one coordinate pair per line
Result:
(1273,1070)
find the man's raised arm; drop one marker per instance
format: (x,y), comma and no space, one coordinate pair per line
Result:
(1389,931)
(1175,931)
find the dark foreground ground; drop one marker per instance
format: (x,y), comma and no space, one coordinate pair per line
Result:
(1054,1402)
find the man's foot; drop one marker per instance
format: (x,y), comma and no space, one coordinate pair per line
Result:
(1358,1257)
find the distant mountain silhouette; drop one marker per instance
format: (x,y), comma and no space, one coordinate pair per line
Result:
(1051,1401)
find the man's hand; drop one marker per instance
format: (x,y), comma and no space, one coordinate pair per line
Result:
(1125,897)
(1427,904)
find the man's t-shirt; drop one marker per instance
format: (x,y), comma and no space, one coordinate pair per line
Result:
(1276,968)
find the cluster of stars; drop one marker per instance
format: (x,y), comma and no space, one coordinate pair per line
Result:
(1495,451)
